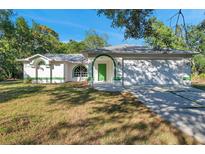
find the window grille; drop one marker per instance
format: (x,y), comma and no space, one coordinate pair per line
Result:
(80,71)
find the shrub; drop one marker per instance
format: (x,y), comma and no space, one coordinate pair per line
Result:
(199,64)
(3,75)
(200,76)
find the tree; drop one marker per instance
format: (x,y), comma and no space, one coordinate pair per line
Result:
(6,39)
(196,35)
(161,36)
(19,40)
(196,42)
(93,40)
(72,47)
(42,29)
(22,38)
(135,22)
(199,64)
(6,25)
(44,39)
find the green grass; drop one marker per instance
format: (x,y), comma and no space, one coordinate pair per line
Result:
(75,114)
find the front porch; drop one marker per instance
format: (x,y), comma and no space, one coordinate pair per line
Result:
(103,69)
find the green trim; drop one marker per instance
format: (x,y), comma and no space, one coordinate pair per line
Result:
(117,78)
(93,62)
(58,78)
(187,78)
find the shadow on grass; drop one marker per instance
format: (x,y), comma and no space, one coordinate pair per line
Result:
(11,82)
(19,92)
(84,133)
(74,95)
(110,120)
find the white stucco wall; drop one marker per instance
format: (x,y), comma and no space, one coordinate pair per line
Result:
(156,72)
(29,71)
(119,66)
(69,72)
(135,72)
(44,73)
(90,59)
(40,74)
(58,72)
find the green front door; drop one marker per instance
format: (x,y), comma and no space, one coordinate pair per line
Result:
(101,72)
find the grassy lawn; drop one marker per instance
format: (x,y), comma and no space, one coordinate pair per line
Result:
(74,114)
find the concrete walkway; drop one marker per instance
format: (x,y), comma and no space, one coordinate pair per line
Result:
(108,87)
(184,107)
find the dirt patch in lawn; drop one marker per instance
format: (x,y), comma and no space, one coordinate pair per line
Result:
(73,113)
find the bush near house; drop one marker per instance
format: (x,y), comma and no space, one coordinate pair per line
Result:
(200,76)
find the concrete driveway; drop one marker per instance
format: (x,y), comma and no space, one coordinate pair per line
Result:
(183,107)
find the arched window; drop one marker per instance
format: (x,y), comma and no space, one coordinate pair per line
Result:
(80,71)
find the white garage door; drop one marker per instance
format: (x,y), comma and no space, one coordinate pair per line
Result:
(153,72)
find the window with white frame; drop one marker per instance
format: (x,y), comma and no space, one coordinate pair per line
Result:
(80,71)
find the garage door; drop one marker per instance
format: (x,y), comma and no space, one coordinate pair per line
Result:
(153,72)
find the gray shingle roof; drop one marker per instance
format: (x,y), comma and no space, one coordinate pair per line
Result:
(115,50)
(66,57)
(134,49)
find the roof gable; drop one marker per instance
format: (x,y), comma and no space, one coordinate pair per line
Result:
(37,56)
(73,58)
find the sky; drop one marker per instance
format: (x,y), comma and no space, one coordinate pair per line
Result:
(73,24)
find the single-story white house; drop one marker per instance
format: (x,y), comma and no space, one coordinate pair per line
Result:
(122,64)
